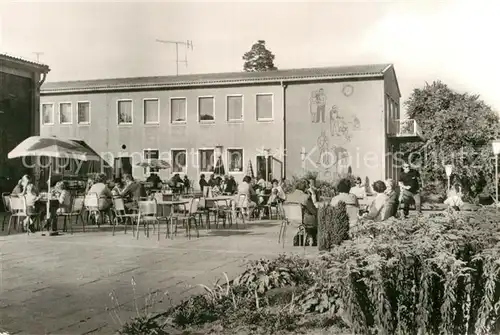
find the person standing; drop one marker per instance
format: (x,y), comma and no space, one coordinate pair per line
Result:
(410,182)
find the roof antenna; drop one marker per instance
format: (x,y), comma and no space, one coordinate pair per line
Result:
(188,45)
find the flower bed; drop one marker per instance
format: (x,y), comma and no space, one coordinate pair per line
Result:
(430,275)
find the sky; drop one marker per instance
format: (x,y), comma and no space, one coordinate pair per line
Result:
(452,41)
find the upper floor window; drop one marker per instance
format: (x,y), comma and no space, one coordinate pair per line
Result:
(83,116)
(151,111)
(264,107)
(234,108)
(178,110)
(124,110)
(65,113)
(206,109)
(47,114)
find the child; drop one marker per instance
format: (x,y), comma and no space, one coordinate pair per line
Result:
(30,198)
(454,199)
(64,197)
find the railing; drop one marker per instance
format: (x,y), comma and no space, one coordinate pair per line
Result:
(404,128)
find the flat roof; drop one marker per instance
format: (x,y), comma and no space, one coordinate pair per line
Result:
(357,72)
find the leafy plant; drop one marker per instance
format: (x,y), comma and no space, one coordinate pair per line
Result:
(333,226)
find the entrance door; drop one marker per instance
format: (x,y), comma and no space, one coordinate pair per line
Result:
(122,165)
(277,168)
(261,167)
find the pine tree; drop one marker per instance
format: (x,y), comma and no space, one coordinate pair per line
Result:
(333,226)
(259,58)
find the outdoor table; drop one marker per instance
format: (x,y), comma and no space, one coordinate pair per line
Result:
(164,205)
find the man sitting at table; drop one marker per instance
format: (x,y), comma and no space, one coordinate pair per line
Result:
(132,193)
(154,179)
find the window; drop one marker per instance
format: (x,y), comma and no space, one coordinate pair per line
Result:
(235,159)
(178,111)
(151,154)
(83,112)
(206,110)
(207,160)
(264,106)
(179,161)
(151,111)
(124,111)
(47,114)
(65,114)
(234,107)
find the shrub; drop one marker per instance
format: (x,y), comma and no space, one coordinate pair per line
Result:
(333,226)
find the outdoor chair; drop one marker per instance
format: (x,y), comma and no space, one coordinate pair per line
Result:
(240,207)
(277,206)
(19,211)
(187,218)
(91,204)
(148,213)
(76,210)
(220,210)
(6,205)
(292,214)
(121,215)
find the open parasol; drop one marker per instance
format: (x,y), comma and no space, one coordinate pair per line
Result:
(158,164)
(53,147)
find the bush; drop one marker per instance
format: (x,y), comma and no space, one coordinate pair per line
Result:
(430,275)
(333,226)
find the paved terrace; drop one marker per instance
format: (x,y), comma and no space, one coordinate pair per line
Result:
(65,284)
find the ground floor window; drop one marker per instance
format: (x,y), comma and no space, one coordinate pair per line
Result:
(151,154)
(179,161)
(207,160)
(235,159)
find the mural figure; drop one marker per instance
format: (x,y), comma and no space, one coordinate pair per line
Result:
(322,143)
(318,106)
(338,126)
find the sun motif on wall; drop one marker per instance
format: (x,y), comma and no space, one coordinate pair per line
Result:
(348,90)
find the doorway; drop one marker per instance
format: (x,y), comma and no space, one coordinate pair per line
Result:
(274,168)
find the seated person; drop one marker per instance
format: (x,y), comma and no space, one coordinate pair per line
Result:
(377,208)
(103,193)
(359,190)
(154,179)
(392,198)
(350,200)
(132,193)
(246,189)
(230,185)
(454,199)
(20,188)
(118,188)
(277,193)
(309,210)
(63,196)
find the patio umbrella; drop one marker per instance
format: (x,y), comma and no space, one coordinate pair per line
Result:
(249,169)
(53,147)
(219,167)
(154,164)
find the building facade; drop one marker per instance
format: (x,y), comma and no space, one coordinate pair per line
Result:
(329,120)
(20,82)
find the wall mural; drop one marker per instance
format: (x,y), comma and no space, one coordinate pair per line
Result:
(317,106)
(340,128)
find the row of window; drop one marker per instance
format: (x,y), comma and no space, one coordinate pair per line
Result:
(151,110)
(206,159)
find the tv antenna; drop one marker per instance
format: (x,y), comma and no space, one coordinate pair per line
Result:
(188,45)
(38,54)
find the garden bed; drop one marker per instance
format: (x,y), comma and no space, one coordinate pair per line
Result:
(430,275)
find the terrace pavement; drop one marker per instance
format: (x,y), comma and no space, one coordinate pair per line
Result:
(72,284)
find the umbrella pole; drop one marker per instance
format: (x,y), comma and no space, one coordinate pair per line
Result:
(48,195)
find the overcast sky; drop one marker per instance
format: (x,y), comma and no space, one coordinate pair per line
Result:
(455,41)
